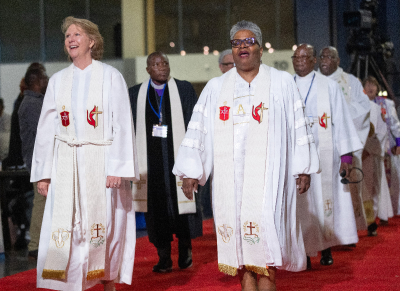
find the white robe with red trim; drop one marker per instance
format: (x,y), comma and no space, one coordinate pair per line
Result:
(120,161)
(292,151)
(345,140)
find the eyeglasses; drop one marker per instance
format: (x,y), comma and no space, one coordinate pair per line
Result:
(247,42)
(301,58)
(228,64)
(327,57)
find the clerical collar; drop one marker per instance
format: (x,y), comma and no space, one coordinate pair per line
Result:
(157,87)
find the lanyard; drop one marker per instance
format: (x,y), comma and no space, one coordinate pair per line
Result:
(159,115)
(312,81)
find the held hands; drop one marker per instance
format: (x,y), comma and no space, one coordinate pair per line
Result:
(303,183)
(43,187)
(113,182)
(189,186)
(347,167)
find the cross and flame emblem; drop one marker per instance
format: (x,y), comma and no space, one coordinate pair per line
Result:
(93,121)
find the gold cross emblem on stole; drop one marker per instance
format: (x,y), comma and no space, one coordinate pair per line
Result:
(97,114)
(262,111)
(140,182)
(323,120)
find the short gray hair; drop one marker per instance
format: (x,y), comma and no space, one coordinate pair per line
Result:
(331,49)
(223,54)
(247,25)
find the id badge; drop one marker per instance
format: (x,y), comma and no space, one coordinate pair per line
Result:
(160,130)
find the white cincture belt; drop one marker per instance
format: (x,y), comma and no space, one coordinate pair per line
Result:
(75,143)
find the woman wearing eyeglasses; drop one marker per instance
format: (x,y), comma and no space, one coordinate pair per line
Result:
(261,153)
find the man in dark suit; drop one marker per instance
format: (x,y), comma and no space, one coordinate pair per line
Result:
(157,107)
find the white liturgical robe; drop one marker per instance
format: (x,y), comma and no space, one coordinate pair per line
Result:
(290,151)
(393,127)
(120,161)
(311,205)
(359,107)
(376,193)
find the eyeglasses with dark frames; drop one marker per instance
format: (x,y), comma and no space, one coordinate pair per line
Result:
(250,41)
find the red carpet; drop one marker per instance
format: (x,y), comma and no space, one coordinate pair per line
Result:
(373,265)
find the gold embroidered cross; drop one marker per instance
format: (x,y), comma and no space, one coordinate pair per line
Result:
(97,114)
(140,182)
(328,204)
(262,111)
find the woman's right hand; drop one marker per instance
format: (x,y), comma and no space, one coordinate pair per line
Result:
(43,187)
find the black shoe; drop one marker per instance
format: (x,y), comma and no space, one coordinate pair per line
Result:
(33,254)
(185,259)
(326,259)
(163,266)
(308,263)
(164,263)
(383,222)
(185,254)
(372,229)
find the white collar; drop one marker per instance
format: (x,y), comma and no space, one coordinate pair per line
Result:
(155,86)
(306,78)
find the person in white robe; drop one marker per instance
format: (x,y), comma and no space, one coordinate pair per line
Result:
(376,195)
(326,211)
(225,61)
(84,159)
(359,107)
(257,146)
(391,151)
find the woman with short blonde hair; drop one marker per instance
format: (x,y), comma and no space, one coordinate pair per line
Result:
(83,161)
(91,30)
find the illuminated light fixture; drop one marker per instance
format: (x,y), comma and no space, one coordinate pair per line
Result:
(183,53)
(215,53)
(271,50)
(380,93)
(384,94)
(172,44)
(267,45)
(294,47)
